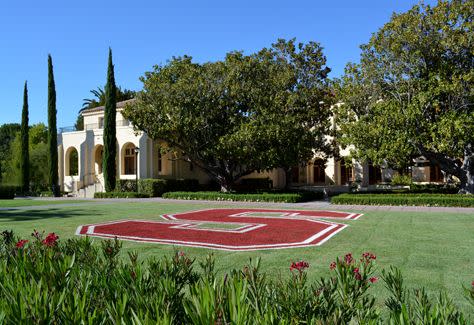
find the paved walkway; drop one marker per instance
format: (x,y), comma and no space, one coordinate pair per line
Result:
(318,205)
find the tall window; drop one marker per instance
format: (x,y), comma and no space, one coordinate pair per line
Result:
(101,122)
(129,160)
(160,163)
(319,174)
(346,173)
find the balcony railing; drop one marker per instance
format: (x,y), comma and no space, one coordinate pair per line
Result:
(91,126)
(97,126)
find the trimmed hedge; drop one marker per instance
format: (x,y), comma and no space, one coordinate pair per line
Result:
(152,187)
(263,197)
(117,195)
(7,192)
(421,199)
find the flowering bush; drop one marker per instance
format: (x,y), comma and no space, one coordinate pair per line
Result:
(46,280)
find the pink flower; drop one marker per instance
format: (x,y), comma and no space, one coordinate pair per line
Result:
(300,266)
(348,258)
(356,270)
(51,240)
(332,266)
(373,279)
(181,253)
(472,284)
(21,243)
(358,276)
(367,257)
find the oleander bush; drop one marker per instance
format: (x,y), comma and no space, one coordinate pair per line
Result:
(253,197)
(419,199)
(44,280)
(119,195)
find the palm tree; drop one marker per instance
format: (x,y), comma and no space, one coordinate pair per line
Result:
(99,100)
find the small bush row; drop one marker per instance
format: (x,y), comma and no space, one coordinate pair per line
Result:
(421,199)
(47,281)
(253,197)
(155,187)
(119,195)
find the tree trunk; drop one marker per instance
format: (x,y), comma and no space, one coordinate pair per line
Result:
(226,183)
(287,178)
(467,168)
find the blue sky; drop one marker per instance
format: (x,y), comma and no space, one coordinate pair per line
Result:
(144,33)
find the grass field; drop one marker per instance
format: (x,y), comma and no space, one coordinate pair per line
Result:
(434,250)
(30,202)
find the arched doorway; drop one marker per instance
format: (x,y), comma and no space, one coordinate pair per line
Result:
(98,158)
(129,159)
(319,171)
(72,162)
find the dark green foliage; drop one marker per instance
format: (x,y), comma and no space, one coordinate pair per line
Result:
(155,187)
(254,184)
(47,281)
(117,195)
(7,192)
(261,197)
(242,114)
(7,135)
(423,199)
(52,132)
(152,187)
(25,155)
(126,185)
(110,112)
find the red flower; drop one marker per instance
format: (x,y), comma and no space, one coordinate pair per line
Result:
(472,284)
(367,257)
(21,243)
(332,266)
(300,266)
(348,258)
(356,270)
(373,279)
(51,240)
(358,276)
(181,253)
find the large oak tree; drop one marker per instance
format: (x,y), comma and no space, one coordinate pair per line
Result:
(412,94)
(242,114)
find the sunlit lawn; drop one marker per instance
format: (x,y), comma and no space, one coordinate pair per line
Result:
(434,250)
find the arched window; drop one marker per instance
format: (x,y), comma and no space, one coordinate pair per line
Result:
(72,162)
(98,158)
(129,158)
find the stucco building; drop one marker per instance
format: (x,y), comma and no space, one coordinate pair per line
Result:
(80,162)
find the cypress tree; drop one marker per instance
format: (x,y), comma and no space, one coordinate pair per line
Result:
(25,156)
(52,131)
(110,149)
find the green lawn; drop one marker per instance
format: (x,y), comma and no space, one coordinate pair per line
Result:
(434,250)
(30,202)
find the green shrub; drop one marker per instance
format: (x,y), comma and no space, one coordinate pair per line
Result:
(117,195)
(152,187)
(125,185)
(401,180)
(260,197)
(45,280)
(157,186)
(420,199)
(7,192)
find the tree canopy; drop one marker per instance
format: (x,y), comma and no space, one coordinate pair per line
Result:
(412,92)
(242,114)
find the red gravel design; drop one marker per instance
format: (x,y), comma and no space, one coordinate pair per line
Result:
(242,229)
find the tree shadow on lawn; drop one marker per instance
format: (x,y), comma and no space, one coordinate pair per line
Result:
(38,214)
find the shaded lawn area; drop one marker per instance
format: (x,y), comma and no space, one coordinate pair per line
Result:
(30,202)
(434,250)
